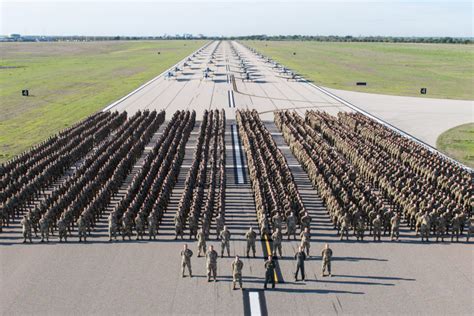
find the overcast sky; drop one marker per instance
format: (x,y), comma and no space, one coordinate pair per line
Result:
(238,17)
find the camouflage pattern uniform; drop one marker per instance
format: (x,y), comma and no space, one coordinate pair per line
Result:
(250,236)
(237,266)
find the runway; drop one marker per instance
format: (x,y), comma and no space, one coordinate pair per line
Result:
(143,277)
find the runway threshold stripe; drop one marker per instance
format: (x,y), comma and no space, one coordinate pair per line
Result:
(254,303)
(238,155)
(254,298)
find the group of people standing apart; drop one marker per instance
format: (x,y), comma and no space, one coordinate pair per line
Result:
(237,264)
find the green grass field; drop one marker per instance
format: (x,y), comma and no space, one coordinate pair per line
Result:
(447,71)
(458,142)
(69,81)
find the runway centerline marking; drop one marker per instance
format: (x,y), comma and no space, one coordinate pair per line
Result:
(237,154)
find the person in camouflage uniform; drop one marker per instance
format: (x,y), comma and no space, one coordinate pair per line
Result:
(193,226)
(377,225)
(277,239)
(139,226)
(395,226)
(276,221)
(44,228)
(220,222)
(126,226)
(186,255)
(291,225)
(455,227)
(250,236)
(441,228)
(237,266)
(152,226)
(305,221)
(225,241)
(201,240)
(62,230)
(360,228)
(326,255)
(305,240)
(211,263)
(82,228)
(425,226)
(112,225)
(344,225)
(178,227)
(26,229)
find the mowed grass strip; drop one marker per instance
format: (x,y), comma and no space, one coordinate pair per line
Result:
(458,142)
(447,71)
(69,81)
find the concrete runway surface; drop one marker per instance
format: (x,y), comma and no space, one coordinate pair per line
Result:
(143,278)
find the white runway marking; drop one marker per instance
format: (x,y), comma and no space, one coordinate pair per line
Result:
(254,304)
(238,155)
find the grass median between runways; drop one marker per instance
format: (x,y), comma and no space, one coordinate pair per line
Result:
(70,80)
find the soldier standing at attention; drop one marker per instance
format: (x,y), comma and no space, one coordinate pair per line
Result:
(81,228)
(395,225)
(305,237)
(269,272)
(291,226)
(377,225)
(326,255)
(305,221)
(219,225)
(250,236)
(44,228)
(62,229)
(300,257)
(178,226)
(139,226)
(151,226)
(211,262)
(193,226)
(225,241)
(237,266)
(26,228)
(201,238)
(277,237)
(112,226)
(455,227)
(186,255)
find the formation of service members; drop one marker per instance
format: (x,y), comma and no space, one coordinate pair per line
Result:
(277,199)
(195,210)
(379,178)
(27,177)
(83,196)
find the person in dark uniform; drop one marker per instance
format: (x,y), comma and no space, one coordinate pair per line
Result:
(269,272)
(300,257)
